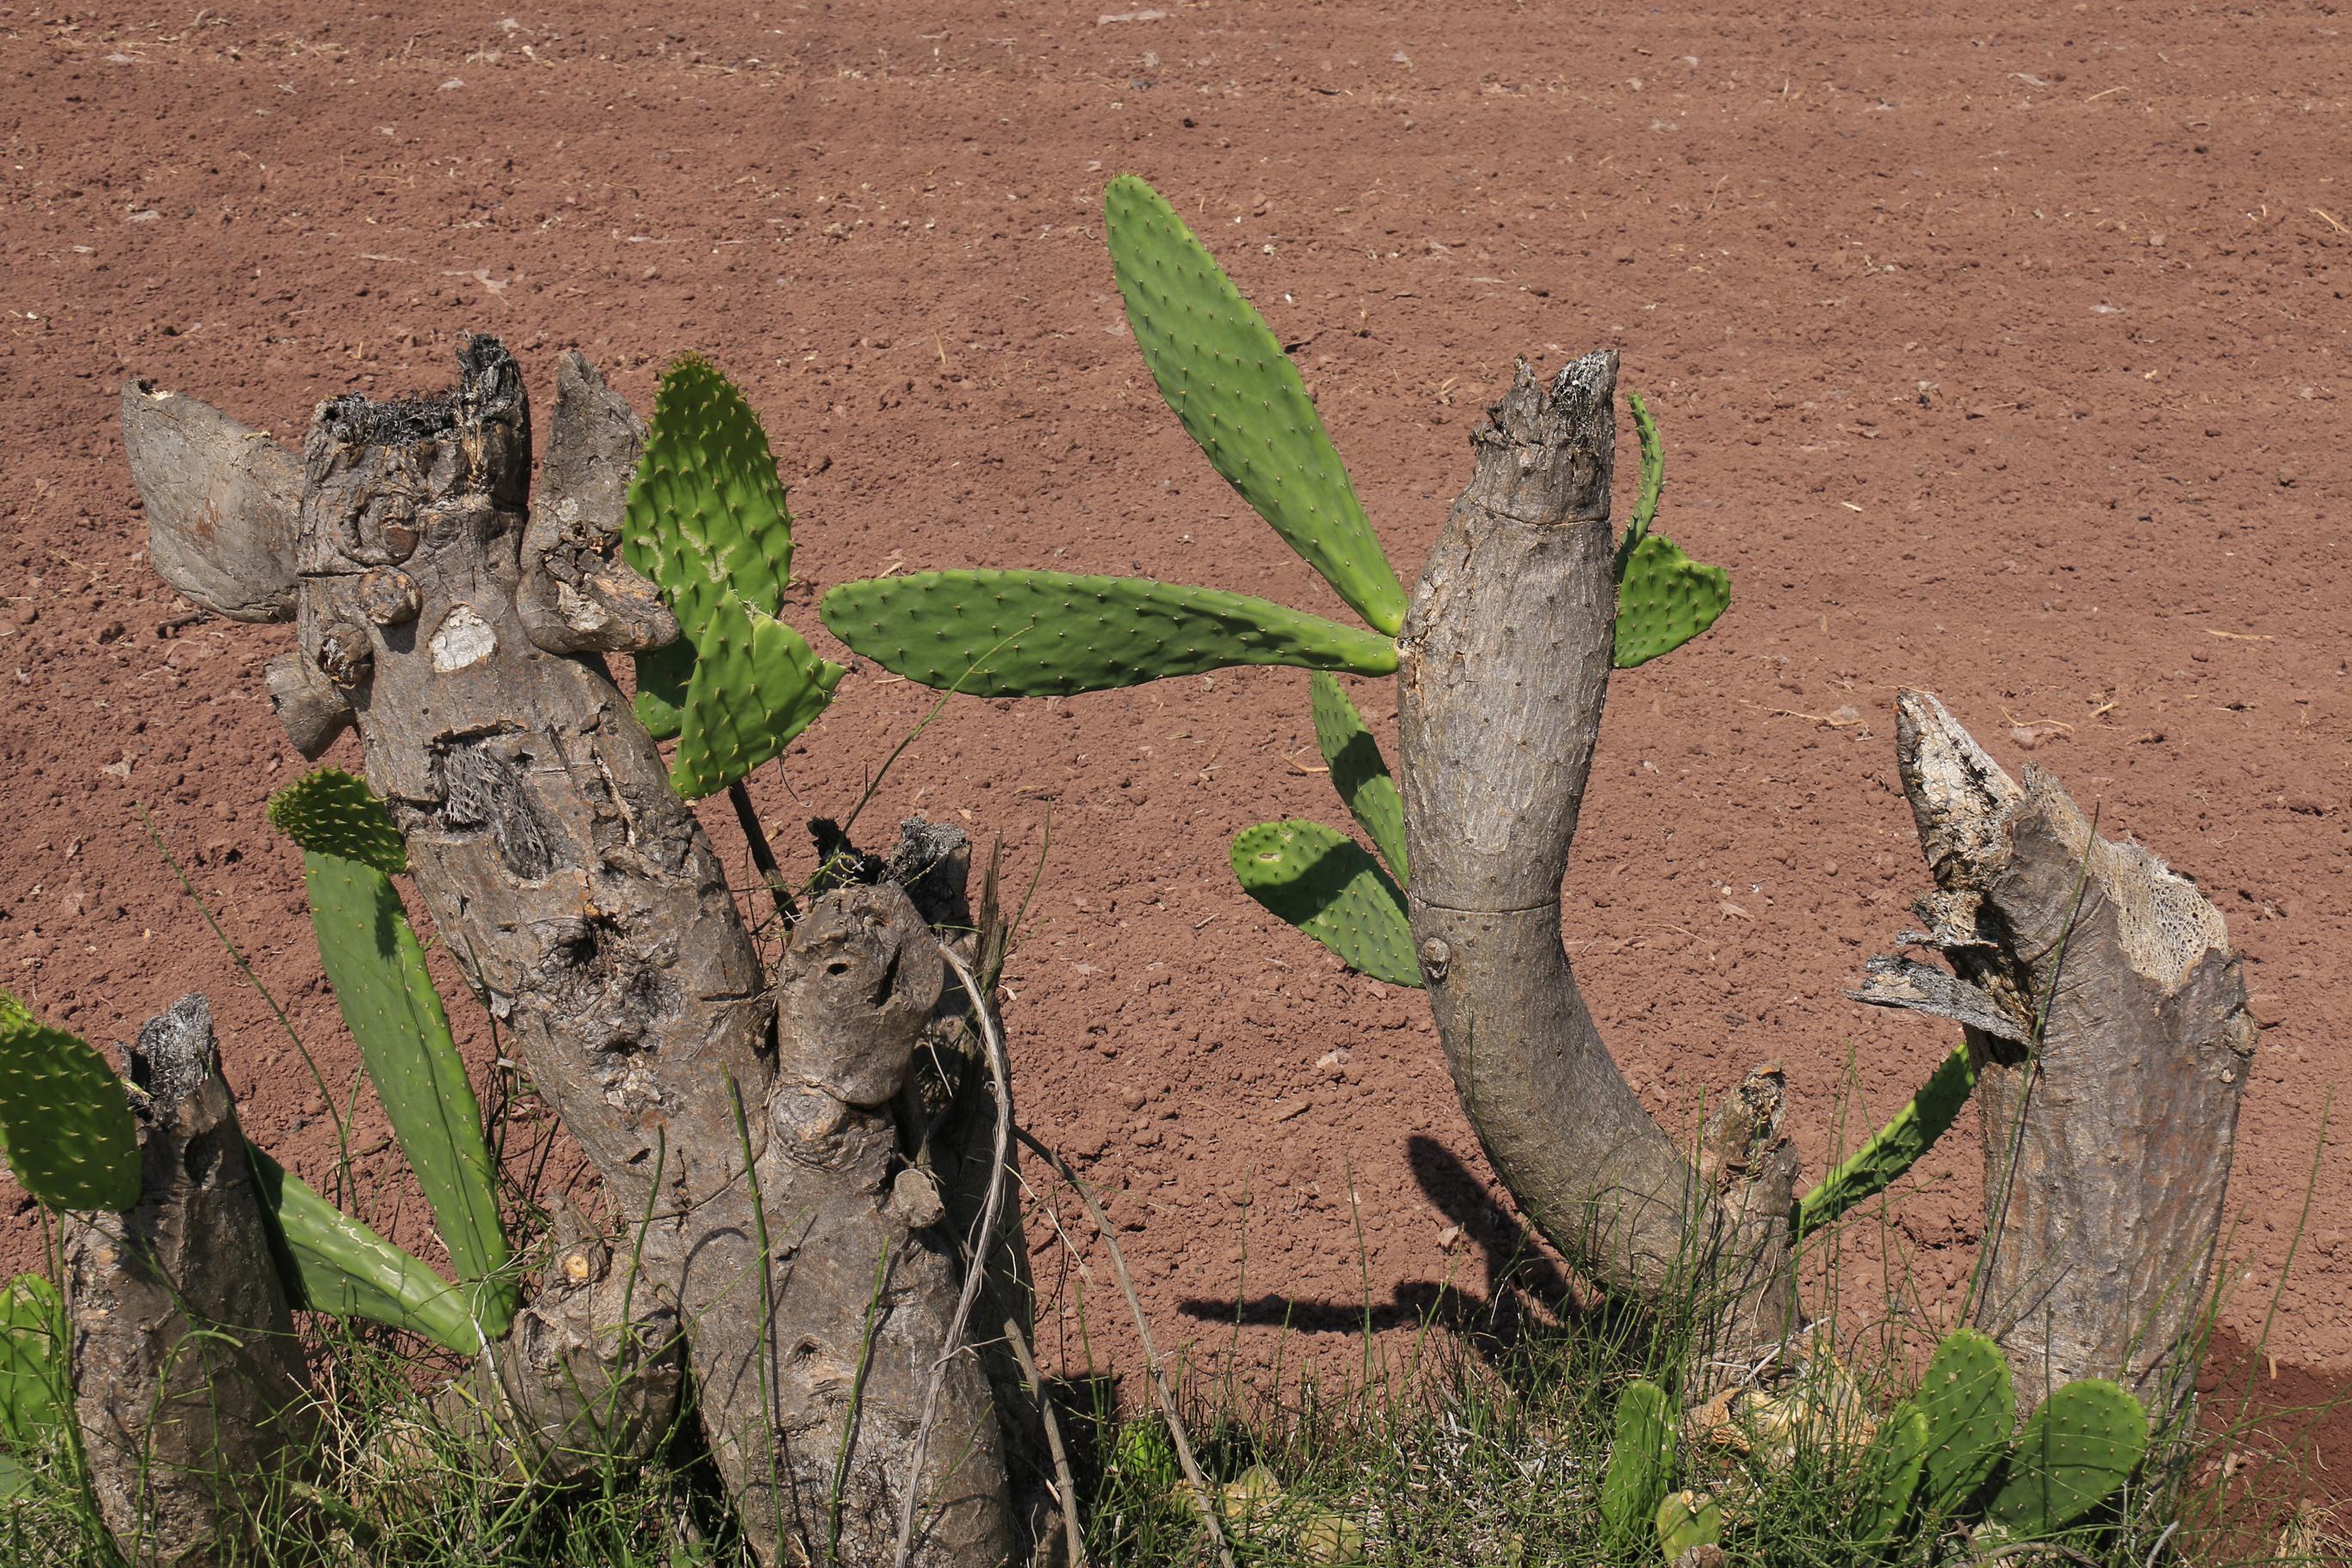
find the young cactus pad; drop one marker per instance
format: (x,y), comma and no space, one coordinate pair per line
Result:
(1329,887)
(1225,374)
(377,968)
(1890,1477)
(1663,597)
(706,521)
(334,813)
(2076,1450)
(1970,1407)
(1896,1147)
(1639,1454)
(65,1118)
(1686,1519)
(1040,633)
(33,1393)
(333,1264)
(1359,772)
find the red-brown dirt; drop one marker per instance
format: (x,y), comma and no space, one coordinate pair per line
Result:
(1998,350)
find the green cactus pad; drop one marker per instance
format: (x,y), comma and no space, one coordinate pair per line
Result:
(1240,398)
(1329,887)
(375,963)
(1663,599)
(33,1393)
(1640,1453)
(1037,634)
(1890,1477)
(2075,1452)
(1896,1147)
(333,1264)
(1653,480)
(1970,1407)
(1686,1520)
(1359,772)
(335,813)
(65,1118)
(707,522)
(757,685)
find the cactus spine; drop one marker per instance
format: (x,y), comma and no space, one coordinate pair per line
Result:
(1640,1452)
(707,522)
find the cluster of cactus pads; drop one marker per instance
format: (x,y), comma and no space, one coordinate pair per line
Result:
(1223,373)
(1949,1456)
(70,1133)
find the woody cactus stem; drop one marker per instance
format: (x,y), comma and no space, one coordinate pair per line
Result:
(573,884)
(1505,663)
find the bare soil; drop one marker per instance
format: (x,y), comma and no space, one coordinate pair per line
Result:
(1998,350)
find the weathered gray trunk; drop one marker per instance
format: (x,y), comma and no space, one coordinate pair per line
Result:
(2100,1236)
(1505,662)
(459,632)
(190,1388)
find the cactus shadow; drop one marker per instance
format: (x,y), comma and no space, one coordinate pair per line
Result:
(1523,1287)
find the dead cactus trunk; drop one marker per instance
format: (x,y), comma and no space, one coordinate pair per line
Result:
(190,1388)
(745,1120)
(2109,1095)
(1505,660)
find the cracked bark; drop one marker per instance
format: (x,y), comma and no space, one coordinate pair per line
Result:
(190,1387)
(1505,665)
(2123,1120)
(581,898)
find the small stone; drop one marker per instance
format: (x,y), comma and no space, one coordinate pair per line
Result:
(2267,1009)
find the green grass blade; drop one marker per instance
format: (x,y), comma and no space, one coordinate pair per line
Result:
(1895,1147)
(65,1118)
(1359,772)
(377,967)
(1329,887)
(333,1264)
(1222,370)
(1034,633)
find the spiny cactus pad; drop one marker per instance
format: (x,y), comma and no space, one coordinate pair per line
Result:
(1686,1519)
(1896,1147)
(335,813)
(1890,1477)
(65,1118)
(2076,1450)
(1359,772)
(1329,887)
(1225,373)
(375,963)
(1036,633)
(32,1370)
(1640,1452)
(1970,1407)
(1663,599)
(333,1264)
(706,521)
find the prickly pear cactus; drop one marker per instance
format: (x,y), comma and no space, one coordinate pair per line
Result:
(376,966)
(334,813)
(1890,1477)
(334,1264)
(33,1393)
(1225,374)
(1970,1407)
(2076,1451)
(1329,887)
(1034,634)
(1640,1452)
(1359,772)
(1895,1147)
(1663,597)
(1686,1520)
(706,521)
(65,1117)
